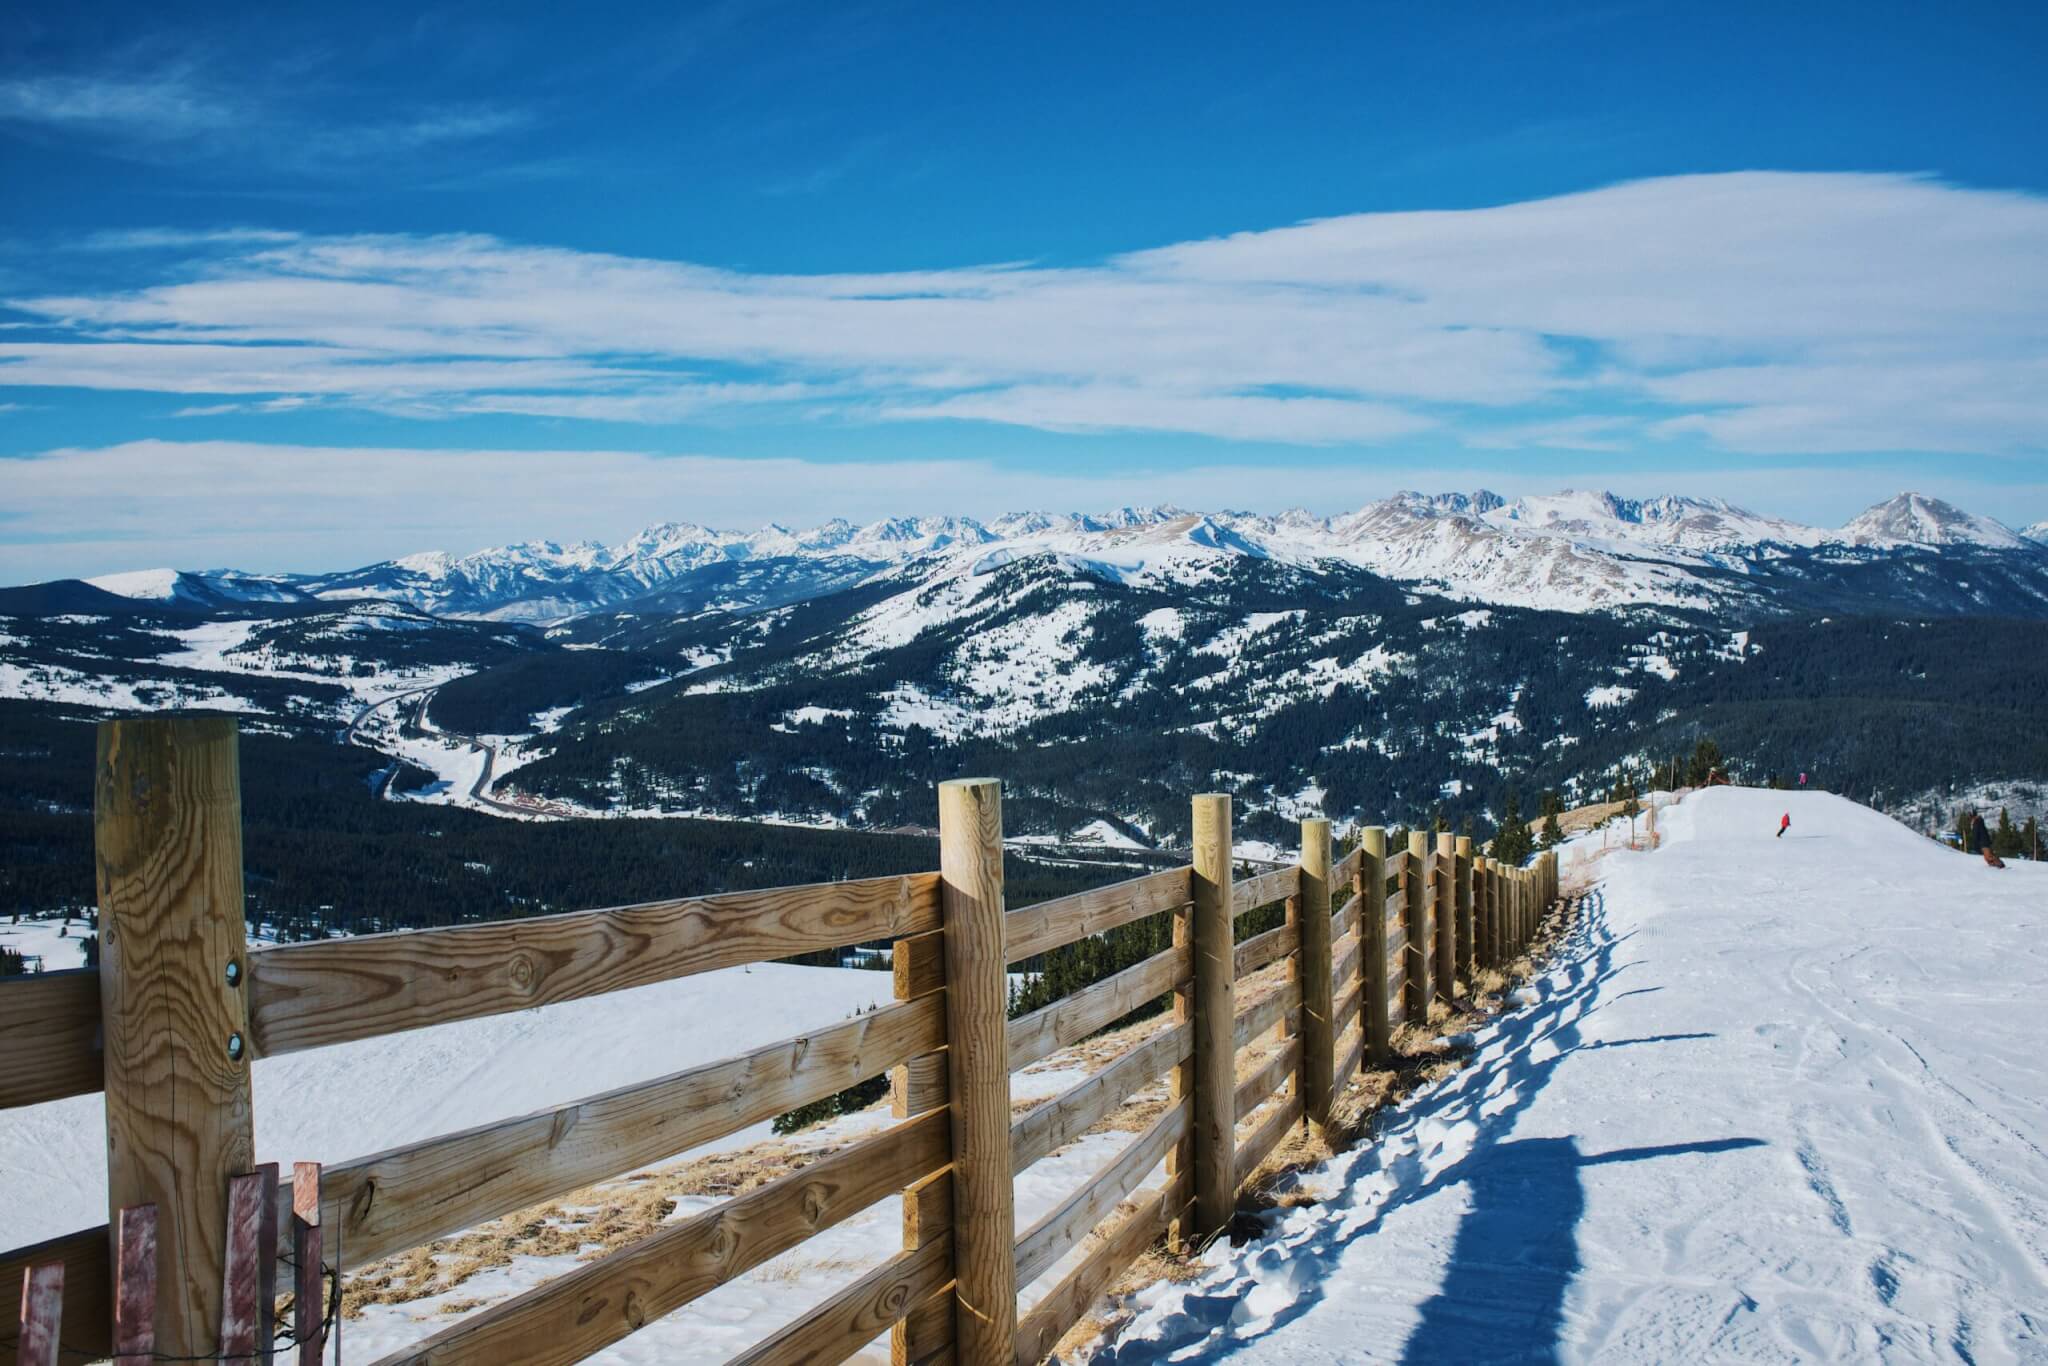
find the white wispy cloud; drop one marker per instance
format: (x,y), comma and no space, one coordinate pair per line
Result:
(1776,312)
(247,121)
(153,107)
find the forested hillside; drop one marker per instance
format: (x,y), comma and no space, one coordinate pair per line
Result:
(322,855)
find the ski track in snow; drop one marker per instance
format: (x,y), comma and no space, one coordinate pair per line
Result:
(1771,1101)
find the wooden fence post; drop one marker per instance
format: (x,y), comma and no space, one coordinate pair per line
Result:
(1419,885)
(1372,943)
(1514,913)
(918,965)
(1215,1120)
(1482,945)
(309,1281)
(42,1310)
(978,1068)
(1507,916)
(1319,1027)
(1446,910)
(167,828)
(1521,909)
(1467,942)
(135,1271)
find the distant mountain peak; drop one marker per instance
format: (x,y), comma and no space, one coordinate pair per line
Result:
(1916,519)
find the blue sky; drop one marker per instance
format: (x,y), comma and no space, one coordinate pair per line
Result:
(732,262)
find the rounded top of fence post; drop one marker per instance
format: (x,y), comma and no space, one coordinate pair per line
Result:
(1310,824)
(971,782)
(1464,846)
(1418,843)
(1373,839)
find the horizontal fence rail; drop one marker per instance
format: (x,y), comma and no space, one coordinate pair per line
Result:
(1267,1028)
(338,990)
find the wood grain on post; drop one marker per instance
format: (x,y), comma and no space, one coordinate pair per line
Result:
(977,1068)
(167,828)
(1446,910)
(1243,951)
(1319,1027)
(1504,895)
(309,1271)
(1507,916)
(1467,934)
(927,1330)
(919,967)
(42,1309)
(1372,933)
(252,1200)
(1215,1009)
(1180,1159)
(915,1086)
(135,1286)
(1510,902)
(1482,928)
(1417,885)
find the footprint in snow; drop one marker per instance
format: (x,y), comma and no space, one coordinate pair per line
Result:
(1278,1282)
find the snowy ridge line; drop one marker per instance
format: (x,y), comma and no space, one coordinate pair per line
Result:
(952,944)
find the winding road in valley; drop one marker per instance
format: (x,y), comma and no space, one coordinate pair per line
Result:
(479,791)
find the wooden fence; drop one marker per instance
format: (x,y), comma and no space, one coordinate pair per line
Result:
(169,1023)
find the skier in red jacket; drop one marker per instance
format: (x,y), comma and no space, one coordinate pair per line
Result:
(1784,825)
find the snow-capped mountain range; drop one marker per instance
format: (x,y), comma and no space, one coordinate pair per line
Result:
(1424,649)
(1567,551)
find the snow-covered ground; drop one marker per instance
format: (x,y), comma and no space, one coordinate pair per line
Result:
(309,1106)
(51,944)
(1775,1100)
(348,1101)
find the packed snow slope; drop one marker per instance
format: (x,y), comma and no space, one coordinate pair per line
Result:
(1774,1100)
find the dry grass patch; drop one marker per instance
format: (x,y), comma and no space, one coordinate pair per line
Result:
(587,1224)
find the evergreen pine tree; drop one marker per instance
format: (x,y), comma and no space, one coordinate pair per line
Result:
(1706,757)
(2006,841)
(1512,843)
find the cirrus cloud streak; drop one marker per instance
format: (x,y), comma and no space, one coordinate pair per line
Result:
(1760,312)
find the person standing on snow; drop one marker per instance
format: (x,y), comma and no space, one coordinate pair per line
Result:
(1981,838)
(1784,825)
